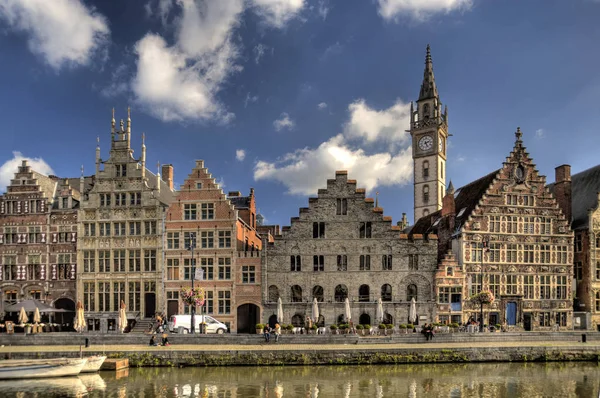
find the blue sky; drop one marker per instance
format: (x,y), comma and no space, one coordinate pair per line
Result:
(278,94)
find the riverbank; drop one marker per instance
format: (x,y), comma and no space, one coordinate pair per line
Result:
(359,353)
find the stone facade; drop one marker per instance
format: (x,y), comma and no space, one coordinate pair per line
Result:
(509,236)
(222,231)
(341,246)
(121,224)
(38,238)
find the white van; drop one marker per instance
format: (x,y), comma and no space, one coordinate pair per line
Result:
(183,323)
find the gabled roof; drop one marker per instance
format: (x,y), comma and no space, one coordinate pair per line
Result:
(465,199)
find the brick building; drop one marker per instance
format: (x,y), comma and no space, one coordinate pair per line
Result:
(121,224)
(342,246)
(578,197)
(38,237)
(528,261)
(222,230)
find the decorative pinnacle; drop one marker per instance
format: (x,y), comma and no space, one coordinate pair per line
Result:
(450,189)
(143,139)
(428,56)
(98,141)
(376,199)
(518,134)
(82,171)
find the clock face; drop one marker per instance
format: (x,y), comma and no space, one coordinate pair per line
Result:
(426,143)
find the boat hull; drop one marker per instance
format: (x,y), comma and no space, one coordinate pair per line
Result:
(12,369)
(93,364)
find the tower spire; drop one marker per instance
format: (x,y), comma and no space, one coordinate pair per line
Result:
(428,87)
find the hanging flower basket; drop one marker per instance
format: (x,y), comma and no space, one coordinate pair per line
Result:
(484,297)
(193,297)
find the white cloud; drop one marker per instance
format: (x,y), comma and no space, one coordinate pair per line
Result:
(118,82)
(284,122)
(304,171)
(250,99)
(277,12)
(371,125)
(322,9)
(419,9)
(240,154)
(11,166)
(63,32)
(259,52)
(322,105)
(540,133)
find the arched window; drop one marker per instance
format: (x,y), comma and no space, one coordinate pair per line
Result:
(386,292)
(341,293)
(388,319)
(317,293)
(321,321)
(364,319)
(341,319)
(364,293)
(295,263)
(425,193)
(273,293)
(296,294)
(411,291)
(298,321)
(426,169)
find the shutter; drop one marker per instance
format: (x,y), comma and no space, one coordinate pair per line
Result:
(19,207)
(26,206)
(42,206)
(73,237)
(73,271)
(42,272)
(21,272)
(54,272)
(43,238)
(1,238)
(54,237)
(2,207)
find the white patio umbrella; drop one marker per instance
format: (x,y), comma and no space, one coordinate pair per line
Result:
(412,312)
(37,318)
(79,318)
(347,310)
(122,317)
(315,310)
(379,312)
(23,318)
(279,310)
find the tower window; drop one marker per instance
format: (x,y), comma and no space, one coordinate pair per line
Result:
(426,193)
(121,170)
(425,111)
(425,169)
(341,207)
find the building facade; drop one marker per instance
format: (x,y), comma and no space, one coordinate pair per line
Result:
(216,232)
(579,198)
(121,224)
(429,132)
(38,218)
(342,246)
(506,234)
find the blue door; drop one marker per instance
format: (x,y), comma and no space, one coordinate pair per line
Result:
(511,313)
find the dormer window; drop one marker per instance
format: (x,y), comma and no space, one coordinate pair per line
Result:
(121,170)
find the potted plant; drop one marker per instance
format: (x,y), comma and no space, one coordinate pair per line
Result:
(402,326)
(334,329)
(389,328)
(410,327)
(259,328)
(454,326)
(289,328)
(367,329)
(27,328)
(498,327)
(381,328)
(314,328)
(360,329)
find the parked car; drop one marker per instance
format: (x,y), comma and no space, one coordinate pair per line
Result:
(183,323)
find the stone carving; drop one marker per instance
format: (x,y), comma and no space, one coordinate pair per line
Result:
(529,211)
(562,304)
(120,243)
(476,225)
(150,213)
(104,215)
(561,229)
(512,269)
(475,268)
(120,214)
(528,304)
(529,238)
(512,238)
(545,213)
(512,210)
(492,268)
(494,210)
(477,237)
(561,270)
(135,213)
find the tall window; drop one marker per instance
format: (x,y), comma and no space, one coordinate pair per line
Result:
(135,228)
(528,254)
(528,287)
(365,262)
(33,268)
(545,254)
(89,229)
(135,296)
(104,261)
(425,193)
(475,285)
(511,253)
(425,170)
(342,262)
(119,228)
(386,292)
(598,270)
(494,283)
(104,229)
(476,251)
(561,254)
(135,198)
(89,296)
(172,240)
(208,302)
(364,293)
(296,263)
(597,301)
(224,239)
(248,274)
(119,260)
(149,260)
(544,318)
(64,267)
(104,296)
(121,170)
(89,261)
(317,292)
(511,284)
(561,287)
(545,226)
(318,263)
(365,230)
(207,264)
(494,223)
(105,199)
(495,252)
(273,293)
(318,230)
(189,211)
(118,295)
(208,211)
(512,224)
(341,207)
(35,235)
(150,227)
(545,289)
(172,269)
(188,268)
(135,262)
(224,302)
(341,293)
(529,225)
(208,239)
(225,269)
(121,199)
(386,262)
(411,292)
(413,262)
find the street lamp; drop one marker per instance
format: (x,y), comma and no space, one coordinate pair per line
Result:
(484,249)
(193,264)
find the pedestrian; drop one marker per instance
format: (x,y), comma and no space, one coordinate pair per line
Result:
(153,342)
(267,333)
(308,324)
(277,332)
(165,340)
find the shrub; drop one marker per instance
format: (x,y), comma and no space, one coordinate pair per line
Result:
(314,327)
(260,326)
(367,327)
(289,327)
(333,327)
(410,326)
(344,326)
(498,326)
(402,326)
(454,325)
(360,327)
(382,326)
(389,326)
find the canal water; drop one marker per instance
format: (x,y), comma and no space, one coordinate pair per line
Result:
(508,380)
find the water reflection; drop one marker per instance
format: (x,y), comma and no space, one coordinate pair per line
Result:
(436,380)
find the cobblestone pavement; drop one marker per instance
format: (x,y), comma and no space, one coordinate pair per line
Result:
(296,347)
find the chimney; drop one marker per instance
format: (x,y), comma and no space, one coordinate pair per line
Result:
(562,189)
(234,194)
(167,175)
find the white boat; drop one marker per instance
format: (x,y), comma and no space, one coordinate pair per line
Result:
(93,364)
(92,381)
(40,368)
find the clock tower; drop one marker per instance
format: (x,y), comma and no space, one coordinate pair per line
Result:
(429,132)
